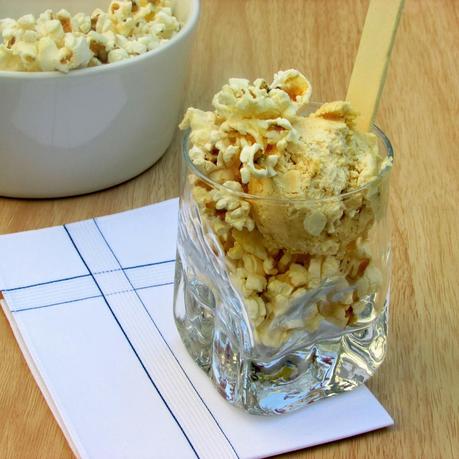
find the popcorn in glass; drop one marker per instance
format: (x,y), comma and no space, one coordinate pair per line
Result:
(281,289)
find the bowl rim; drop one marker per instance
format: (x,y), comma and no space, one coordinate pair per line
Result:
(183,34)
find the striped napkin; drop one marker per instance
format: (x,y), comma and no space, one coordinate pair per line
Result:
(90,304)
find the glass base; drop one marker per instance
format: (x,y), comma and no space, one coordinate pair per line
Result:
(284,381)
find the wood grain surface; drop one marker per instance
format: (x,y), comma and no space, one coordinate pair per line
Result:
(419,381)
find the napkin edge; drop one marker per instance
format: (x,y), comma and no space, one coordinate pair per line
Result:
(36,375)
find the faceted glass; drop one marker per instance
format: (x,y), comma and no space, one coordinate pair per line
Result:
(328,336)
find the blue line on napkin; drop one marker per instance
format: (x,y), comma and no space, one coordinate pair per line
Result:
(129,341)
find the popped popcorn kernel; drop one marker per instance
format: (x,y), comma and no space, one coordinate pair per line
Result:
(79,53)
(99,45)
(253,264)
(27,21)
(81,23)
(8,60)
(65,18)
(369,282)
(278,287)
(256,308)
(335,313)
(295,85)
(314,223)
(297,275)
(48,54)
(255,282)
(314,272)
(116,55)
(247,158)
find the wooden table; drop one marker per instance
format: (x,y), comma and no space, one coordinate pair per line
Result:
(418,382)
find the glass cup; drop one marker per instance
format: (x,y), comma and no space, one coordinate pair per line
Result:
(312,328)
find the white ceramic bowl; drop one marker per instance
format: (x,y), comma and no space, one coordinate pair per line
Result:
(62,135)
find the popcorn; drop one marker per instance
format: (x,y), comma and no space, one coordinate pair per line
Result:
(314,223)
(65,18)
(312,318)
(199,158)
(79,53)
(247,158)
(297,275)
(150,42)
(220,227)
(167,22)
(6,24)
(240,99)
(120,10)
(101,22)
(225,200)
(8,60)
(295,85)
(240,218)
(48,55)
(314,272)
(30,36)
(238,210)
(277,287)
(94,62)
(117,55)
(47,15)
(144,13)
(81,23)
(135,47)
(27,53)
(247,282)
(369,282)
(335,313)
(27,21)
(330,267)
(125,27)
(250,242)
(202,124)
(101,45)
(297,265)
(256,308)
(337,111)
(253,264)
(255,282)
(269,266)
(51,28)
(60,41)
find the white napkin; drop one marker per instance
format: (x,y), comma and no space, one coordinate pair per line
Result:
(90,304)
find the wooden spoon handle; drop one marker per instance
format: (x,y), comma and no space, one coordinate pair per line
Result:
(370,67)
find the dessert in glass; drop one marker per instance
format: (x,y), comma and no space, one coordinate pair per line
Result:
(282,275)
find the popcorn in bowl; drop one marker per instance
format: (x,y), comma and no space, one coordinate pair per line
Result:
(59,41)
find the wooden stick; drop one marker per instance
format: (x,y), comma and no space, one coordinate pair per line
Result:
(370,67)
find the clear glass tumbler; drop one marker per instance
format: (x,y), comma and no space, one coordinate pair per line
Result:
(322,331)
